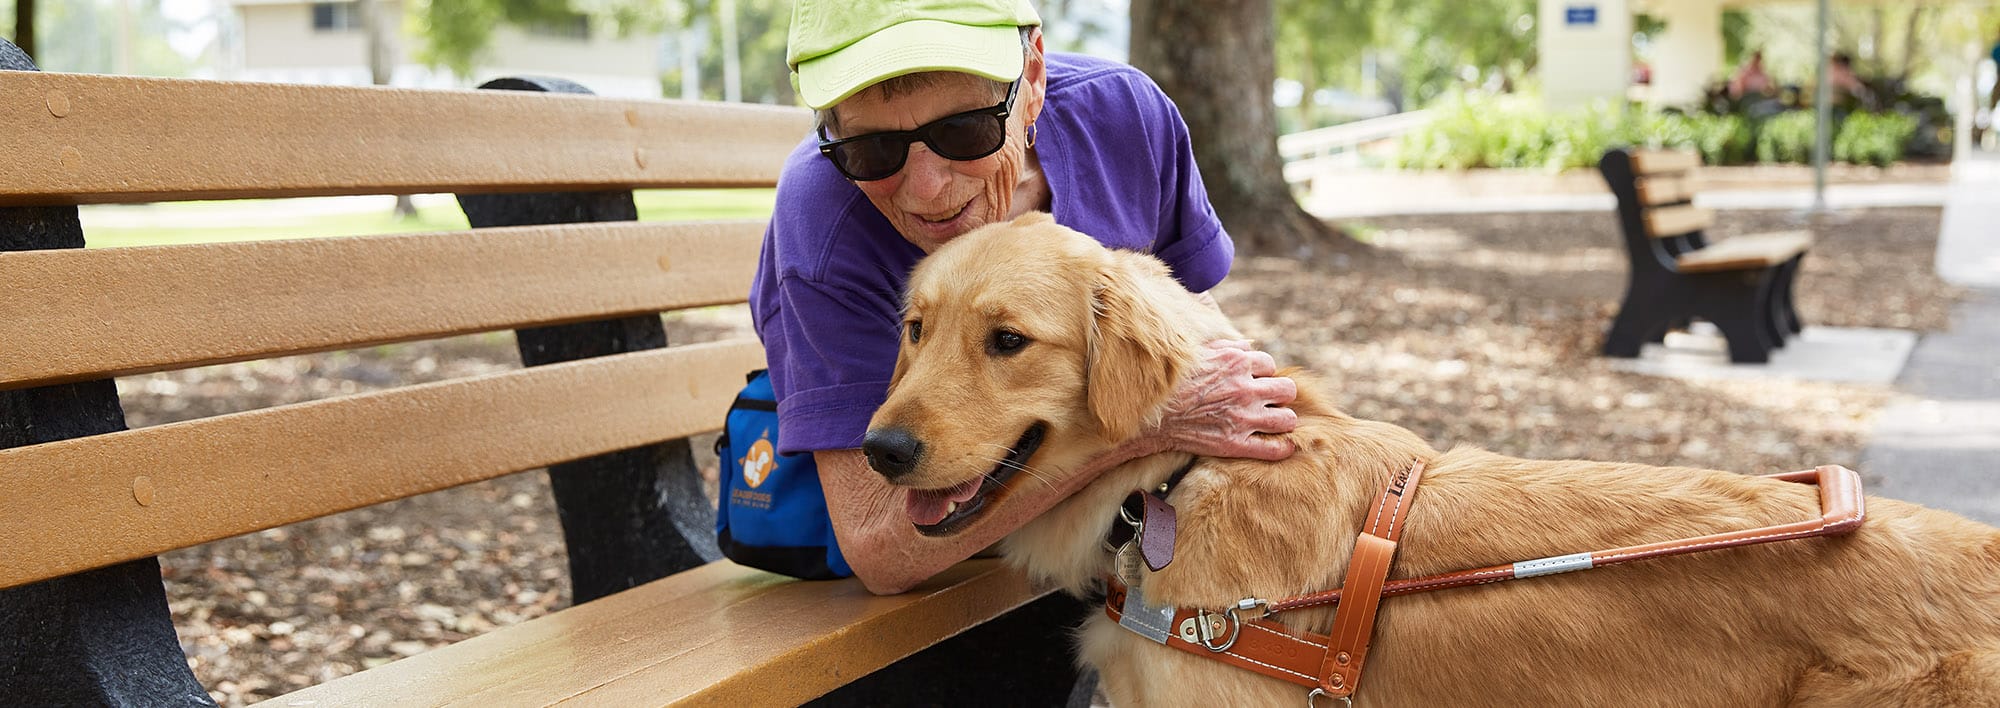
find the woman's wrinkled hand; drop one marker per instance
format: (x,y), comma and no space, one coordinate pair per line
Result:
(1233,404)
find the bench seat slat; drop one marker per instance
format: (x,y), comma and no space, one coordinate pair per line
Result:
(1748,251)
(1668,222)
(1653,162)
(81,138)
(720,635)
(75,314)
(78,504)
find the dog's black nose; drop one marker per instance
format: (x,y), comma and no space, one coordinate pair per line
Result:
(893,452)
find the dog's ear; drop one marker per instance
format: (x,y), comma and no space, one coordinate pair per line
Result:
(1135,354)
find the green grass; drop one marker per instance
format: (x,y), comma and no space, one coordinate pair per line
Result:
(113,226)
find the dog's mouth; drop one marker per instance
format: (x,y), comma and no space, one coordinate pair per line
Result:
(942,512)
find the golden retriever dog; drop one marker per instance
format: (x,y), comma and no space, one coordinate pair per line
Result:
(1030,348)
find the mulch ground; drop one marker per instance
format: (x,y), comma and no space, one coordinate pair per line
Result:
(1469,329)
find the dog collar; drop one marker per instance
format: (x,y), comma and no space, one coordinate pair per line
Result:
(1244,636)
(1147,516)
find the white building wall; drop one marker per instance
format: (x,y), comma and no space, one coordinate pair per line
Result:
(282,37)
(608,66)
(1583,62)
(1688,55)
(278,43)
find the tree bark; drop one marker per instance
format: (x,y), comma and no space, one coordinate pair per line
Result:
(382,19)
(1216,59)
(24,26)
(1911,40)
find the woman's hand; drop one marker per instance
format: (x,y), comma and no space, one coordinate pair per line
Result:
(1231,405)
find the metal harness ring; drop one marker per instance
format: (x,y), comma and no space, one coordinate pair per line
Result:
(1316,693)
(1235,628)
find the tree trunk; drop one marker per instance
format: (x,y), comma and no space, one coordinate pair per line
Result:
(1911,40)
(1878,51)
(24,26)
(732,58)
(1216,59)
(381,20)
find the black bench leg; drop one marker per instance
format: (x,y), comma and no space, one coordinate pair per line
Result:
(1739,303)
(632,516)
(1749,342)
(101,637)
(1776,331)
(1022,658)
(1644,317)
(98,638)
(1788,275)
(1783,320)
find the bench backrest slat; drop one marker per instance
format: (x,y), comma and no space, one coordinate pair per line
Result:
(83,503)
(1666,189)
(75,314)
(1652,162)
(79,138)
(1668,222)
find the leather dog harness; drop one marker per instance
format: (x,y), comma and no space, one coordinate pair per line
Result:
(1330,664)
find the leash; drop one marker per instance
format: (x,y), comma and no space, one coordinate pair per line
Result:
(1330,665)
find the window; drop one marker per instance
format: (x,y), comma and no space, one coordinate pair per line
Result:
(336,16)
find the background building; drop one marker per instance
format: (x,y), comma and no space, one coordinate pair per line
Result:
(324,43)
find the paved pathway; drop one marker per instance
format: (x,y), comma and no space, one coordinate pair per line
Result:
(1943,448)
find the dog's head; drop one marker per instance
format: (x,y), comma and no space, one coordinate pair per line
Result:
(1027,349)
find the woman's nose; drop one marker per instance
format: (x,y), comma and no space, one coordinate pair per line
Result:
(924,173)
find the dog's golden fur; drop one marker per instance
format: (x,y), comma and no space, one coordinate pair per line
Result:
(1905,611)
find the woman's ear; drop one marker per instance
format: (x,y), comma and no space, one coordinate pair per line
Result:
(1133,357)
(1034,79)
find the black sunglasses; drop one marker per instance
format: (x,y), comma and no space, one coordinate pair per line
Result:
(961,136)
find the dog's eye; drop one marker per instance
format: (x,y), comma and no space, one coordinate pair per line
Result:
(916,328)
(1005,342)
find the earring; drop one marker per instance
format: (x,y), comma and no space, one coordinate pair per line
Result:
(1031,136)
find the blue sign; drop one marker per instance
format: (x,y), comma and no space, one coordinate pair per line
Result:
(1580,16)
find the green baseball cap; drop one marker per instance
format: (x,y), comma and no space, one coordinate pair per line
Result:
(839,47)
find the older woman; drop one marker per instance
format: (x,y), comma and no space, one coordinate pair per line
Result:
(937,118)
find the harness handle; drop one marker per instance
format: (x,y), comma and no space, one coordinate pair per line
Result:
(1842,509)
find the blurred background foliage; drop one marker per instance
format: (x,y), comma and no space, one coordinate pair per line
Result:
(1474,129)
(1336,60)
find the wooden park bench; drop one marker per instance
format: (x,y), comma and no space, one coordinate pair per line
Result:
(1743,285)
(557,256)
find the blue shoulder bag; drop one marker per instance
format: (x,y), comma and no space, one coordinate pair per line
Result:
(772,514)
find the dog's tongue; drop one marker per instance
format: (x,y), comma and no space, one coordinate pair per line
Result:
(927,506)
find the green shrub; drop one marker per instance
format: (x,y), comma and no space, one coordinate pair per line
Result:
(1724,140)
(1453,140)
(1873,138)
(1786,137)
(1511,132)
(1516,131)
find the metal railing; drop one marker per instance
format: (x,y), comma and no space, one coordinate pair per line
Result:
(1308,152)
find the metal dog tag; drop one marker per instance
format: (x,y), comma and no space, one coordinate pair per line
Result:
(1128,564)
(1154,623)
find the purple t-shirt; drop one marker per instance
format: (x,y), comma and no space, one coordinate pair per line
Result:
(830,281)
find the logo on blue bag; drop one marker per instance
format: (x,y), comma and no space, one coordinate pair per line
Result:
(759,461)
